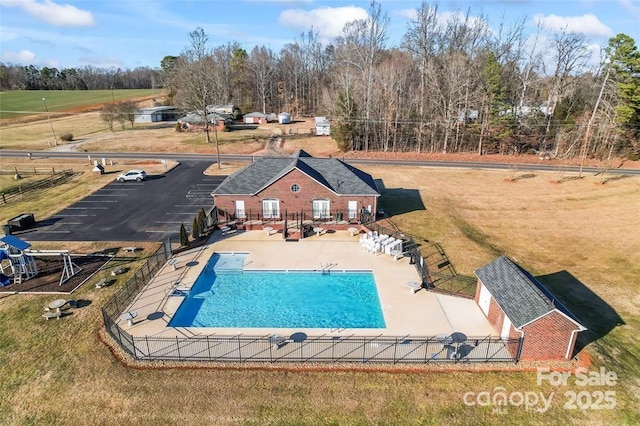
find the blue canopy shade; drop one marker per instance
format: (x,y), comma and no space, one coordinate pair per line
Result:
(15,242)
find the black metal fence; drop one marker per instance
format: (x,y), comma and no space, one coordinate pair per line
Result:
(299,347)
(123,298)
(311,217)
(409,248)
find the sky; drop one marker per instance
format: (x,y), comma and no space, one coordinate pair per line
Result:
(132,33)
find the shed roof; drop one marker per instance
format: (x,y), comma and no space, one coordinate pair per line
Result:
(335,175)
(522,298)
(256,114)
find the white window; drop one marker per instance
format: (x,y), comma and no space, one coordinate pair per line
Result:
(321,209)
(270,209)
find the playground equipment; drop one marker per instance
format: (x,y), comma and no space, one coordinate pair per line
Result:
(22,263)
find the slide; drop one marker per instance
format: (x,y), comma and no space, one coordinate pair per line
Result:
(4,280)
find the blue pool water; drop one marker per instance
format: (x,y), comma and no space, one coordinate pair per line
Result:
(226,296)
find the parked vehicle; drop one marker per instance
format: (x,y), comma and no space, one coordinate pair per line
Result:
(137,175)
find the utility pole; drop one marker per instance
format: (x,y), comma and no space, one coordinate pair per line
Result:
(55,141)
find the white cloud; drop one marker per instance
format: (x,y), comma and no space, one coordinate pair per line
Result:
(21,57)
(102,61)
(586,24)
(53,13)
(328,21)
(406,13)
(631,6)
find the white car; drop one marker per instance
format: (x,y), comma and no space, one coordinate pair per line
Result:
(137,175)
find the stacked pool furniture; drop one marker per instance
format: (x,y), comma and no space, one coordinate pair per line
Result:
(378,244)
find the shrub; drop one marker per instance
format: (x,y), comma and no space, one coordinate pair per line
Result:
(178,127)
(195,229)
(67,137)
(184,237)
(634,156)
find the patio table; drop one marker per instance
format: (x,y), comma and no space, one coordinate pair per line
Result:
(57,304)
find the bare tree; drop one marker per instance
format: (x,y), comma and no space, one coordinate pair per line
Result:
(197,87)
(361,48)
(262,65)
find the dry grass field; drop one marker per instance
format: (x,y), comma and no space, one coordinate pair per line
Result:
(581,237)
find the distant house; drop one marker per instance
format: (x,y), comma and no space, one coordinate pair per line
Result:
(222,109)
(194,121)
(519,306)
(155,114)
(323,127)
(301,187)
(284,118)
(254,118)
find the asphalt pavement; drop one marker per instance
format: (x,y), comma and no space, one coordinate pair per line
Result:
(151,210)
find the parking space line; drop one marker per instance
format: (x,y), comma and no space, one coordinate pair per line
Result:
(193,205)
(181,213)
(173,223)
(87,208)
(107,195)
(102,201)
(72,215)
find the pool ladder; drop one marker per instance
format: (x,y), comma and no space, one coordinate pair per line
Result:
(325,268)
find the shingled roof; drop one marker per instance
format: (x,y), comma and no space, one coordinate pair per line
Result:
(335,175)
(522,298)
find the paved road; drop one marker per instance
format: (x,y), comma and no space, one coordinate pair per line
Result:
(151,210)
(211,158)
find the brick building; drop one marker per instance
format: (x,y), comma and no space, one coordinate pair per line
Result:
(301,188)
(519,306)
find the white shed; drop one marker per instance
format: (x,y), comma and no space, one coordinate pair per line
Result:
(323,127)
(152,115)
(284,118)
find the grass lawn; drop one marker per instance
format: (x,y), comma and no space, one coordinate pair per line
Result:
(22,103)
(580,237)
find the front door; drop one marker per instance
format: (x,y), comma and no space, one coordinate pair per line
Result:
(321,209)
(484,300)
(240,213)
(506,327)
(352,209)
(270,209)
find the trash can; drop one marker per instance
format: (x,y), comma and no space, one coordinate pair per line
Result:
(6,229)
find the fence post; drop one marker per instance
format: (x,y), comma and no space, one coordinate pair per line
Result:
(178,348)
(146,338)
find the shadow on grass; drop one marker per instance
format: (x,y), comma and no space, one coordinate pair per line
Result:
(592,311)
(396,201)
(614,178)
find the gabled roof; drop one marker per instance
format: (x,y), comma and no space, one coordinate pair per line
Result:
(256,114)
(335,175)
(15,242)
(522,298)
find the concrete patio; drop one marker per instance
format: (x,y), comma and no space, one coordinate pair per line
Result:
(406,314)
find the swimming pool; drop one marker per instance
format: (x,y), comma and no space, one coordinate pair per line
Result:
(228,296)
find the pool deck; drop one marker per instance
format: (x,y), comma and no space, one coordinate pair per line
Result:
(422,314)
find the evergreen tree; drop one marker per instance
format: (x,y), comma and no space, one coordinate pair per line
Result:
(184,238)
(195,229)
(624,62)
(202,220)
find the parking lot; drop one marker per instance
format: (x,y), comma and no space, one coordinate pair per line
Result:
(151,210)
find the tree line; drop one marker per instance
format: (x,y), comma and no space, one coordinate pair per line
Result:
(452,85)
(30,77)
